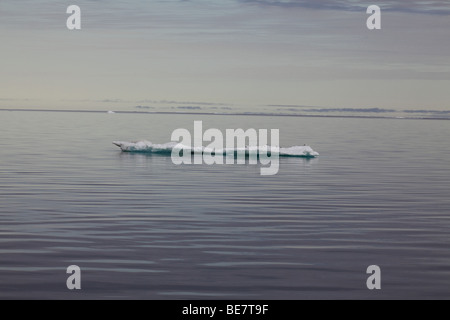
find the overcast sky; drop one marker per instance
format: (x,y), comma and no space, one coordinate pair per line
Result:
(236,52)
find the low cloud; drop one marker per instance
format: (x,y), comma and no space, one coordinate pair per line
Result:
(428,111)
(181,102)
(441,7)
(360,110)
(190,107)
(144,107)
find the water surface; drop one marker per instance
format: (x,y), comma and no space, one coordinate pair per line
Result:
(140,227)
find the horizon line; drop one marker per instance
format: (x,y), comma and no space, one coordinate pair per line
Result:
(221,114)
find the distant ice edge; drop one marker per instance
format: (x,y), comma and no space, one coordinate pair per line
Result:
(166,148)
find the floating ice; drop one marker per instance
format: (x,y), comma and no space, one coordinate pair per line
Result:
(166,148)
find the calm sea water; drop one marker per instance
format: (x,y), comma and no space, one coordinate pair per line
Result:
(140,227)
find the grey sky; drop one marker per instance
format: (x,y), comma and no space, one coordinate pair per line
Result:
(237,52)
